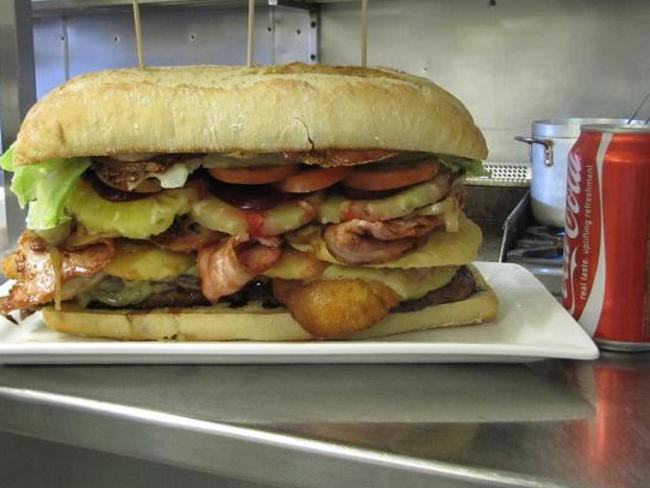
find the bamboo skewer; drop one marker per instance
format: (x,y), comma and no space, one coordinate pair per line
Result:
(364,33)
(251,33)
(138,33)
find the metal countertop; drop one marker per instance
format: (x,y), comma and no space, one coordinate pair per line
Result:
(550,423)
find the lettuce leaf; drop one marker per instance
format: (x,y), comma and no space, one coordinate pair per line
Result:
(45,186)
(471,167)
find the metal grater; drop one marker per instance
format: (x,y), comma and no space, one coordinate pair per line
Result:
(504,174)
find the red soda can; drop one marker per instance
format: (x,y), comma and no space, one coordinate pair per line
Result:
(606,280)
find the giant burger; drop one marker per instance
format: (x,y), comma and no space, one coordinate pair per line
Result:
(285,202)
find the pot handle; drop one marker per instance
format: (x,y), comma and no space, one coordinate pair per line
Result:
(548,147)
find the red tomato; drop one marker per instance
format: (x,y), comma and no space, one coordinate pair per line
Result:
(254,175)
(313,179)
(369,178)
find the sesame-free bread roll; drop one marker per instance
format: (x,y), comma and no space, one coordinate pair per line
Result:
(202,109)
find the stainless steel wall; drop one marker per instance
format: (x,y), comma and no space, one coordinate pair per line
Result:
(68,46)
(512,63)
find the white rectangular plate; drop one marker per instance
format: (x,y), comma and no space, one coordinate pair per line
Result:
(531,325)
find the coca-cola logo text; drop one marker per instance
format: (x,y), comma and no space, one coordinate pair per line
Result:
(572,229)
(580,243)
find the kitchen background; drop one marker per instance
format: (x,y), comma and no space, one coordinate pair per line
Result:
(509,61)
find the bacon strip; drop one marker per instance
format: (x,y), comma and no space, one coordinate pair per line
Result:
(36,278)
(364,242)
(227,266)
(186,236)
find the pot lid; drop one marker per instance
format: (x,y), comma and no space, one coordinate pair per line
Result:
(617,129)
(570,127)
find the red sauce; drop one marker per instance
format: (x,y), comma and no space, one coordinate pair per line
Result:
(354,210)
(255,223)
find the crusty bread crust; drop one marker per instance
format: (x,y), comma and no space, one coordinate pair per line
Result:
(200,109)
(220,323)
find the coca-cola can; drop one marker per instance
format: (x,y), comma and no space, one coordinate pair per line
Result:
(606,281)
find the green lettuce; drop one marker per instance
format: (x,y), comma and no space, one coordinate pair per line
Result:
(45,187)
(471,167)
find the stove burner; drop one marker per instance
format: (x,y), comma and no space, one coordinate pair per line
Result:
(539,242)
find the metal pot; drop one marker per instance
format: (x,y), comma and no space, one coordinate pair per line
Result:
(549,147)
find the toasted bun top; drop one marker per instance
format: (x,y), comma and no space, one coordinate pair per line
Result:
(199,109)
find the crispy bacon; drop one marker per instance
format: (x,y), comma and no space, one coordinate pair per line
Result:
(186,236)
(124,175)
(35,273)
(132,172)
(364,242)
(225,267)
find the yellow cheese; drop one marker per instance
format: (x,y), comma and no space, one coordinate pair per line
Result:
(142,261)
(409,284)
(294,265)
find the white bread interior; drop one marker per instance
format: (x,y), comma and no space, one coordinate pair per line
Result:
(221,323)
(199,109)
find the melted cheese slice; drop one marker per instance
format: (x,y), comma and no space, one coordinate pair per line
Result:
(442,248)
(409,284)
(141,261)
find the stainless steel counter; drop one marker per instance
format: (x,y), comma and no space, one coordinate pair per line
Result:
(551,423)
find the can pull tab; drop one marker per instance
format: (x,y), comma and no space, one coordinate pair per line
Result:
(548,147)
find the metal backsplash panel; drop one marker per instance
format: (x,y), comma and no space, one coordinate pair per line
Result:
(49,54)
(70,45)
(511,63)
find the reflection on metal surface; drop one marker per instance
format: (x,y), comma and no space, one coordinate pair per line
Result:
(333,393)
(580,424)
(230,450)
(618,436)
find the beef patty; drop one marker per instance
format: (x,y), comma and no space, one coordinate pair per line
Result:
(187,294)
(461,286)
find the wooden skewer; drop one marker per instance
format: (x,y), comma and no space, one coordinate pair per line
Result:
(138,33)
(251,33)
(364,33)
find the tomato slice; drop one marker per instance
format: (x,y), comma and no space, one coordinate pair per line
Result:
(313,179)
(388,177)
(254,175)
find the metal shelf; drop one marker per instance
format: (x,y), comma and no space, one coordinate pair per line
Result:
(44,8)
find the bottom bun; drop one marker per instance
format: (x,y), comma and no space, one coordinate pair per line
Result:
(222,323)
